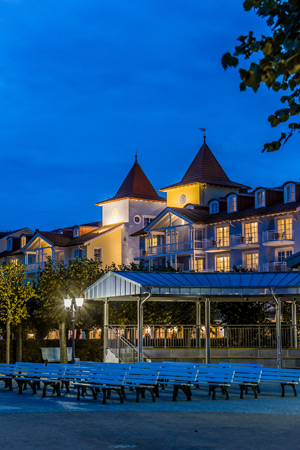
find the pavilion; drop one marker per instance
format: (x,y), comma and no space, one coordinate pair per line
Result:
(199,288)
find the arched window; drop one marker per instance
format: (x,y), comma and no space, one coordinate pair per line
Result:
(260,198)
(9,244)
(289,193)
(232,203)
(214,207)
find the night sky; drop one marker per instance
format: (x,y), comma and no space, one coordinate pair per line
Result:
(84,83)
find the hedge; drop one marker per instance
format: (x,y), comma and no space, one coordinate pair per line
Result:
(86,350)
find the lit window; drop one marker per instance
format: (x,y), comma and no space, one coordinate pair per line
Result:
(214,207)
(23,241)
(76,232)
(223,237)
(260,199)
(199,265)
(251,261)
(251,232)
(232,203)
(223,263)
(98,254)
(284,229)
(289,193)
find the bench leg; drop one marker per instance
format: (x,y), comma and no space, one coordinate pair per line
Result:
(156,391)
(242,388)
(137,399)
(78,393)
(213,390)
(104,396)
(151,390)
(93,390)
(254,389)
(175,393)
(282,389)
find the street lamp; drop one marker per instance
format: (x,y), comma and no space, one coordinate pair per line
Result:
(72,304)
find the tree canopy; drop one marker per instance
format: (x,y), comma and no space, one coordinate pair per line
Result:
(275,61)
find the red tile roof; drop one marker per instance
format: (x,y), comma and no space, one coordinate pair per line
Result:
(136,185)
(205,169)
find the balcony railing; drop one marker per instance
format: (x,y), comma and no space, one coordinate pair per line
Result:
(244,239)
(276,266)
(168,248)
(36,266)
(216,243)
(274,235)
(245,268)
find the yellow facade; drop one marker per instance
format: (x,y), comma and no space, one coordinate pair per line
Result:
(192,193)
(111,245)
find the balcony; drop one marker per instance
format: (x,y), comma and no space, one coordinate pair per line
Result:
(276,266)
(216,245)
(245,268)
(165,249)
(35,267)
(274,238)
(245,241)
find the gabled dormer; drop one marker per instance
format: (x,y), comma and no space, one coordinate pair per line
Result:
(267,196)
(213,207)
(291,191)
(260,198)
(232,203)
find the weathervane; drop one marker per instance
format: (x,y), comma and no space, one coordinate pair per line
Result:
(204,135)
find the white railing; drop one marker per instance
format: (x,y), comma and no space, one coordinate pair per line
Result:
(216,243)
(274,235)
(36,266)
(275,266)
(248,239)
(169,248)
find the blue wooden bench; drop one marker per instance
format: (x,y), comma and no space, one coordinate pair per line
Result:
(180,378)
(246,376)
(215,377)
(286,377)
(6,374)
(34,374)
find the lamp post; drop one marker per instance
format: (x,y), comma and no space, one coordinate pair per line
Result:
(72,304)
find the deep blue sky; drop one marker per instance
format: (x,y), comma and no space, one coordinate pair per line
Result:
(83,83)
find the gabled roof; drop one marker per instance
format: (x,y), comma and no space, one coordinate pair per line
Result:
(136,185)
(205,169)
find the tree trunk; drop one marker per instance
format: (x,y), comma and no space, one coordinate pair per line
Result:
(19,343)
(7,350)
(63,343)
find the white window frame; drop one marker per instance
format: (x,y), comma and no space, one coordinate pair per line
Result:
(76,232)
(232,203)
(214,207)
(101,256)
(250,253)
(283,249)
(23,241)
(222,256)
(78,250)
(263,203)
(288,193)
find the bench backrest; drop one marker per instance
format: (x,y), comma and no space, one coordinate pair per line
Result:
(280,375)
(136,376)
(215,375)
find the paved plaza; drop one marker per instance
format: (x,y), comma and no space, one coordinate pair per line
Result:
(32,422)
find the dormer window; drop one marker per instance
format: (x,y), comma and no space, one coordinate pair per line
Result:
(9,244)
(76,232)
(214,207)
(260,198)
(23,241)
(289,193)
(60,232)
(232,203)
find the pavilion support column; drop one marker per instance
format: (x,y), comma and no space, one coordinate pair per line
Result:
(294,325)
(140,314)
(198,326)
(278,330)
(105,329)
(207,331)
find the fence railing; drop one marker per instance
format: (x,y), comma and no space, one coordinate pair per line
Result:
(191,336)
(120,346)
(274,235)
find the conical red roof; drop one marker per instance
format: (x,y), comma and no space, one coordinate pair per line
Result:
(205,169)
(136,185)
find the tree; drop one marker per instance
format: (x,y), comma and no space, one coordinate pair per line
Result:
(56,282)
(15,292)
(276,60)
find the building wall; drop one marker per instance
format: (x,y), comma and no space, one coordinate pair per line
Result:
(111,244)
(115,212)
(192,193)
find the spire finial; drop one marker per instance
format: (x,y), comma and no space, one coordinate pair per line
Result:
(204,135)
(136,155)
